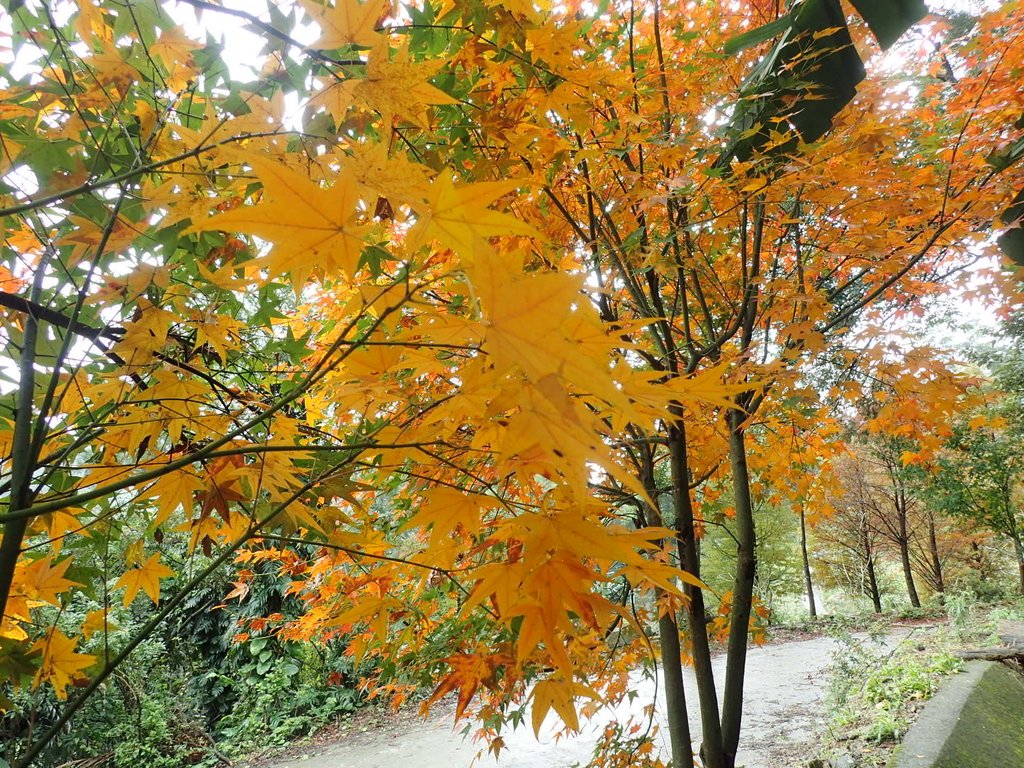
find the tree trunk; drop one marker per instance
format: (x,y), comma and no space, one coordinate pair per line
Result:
(671,657)
(1014,531)
(743,590)
(689,558)
(807,564)
(869,564)
(933,547)
(876,594)
(1018,548)
(675,696)
(904,544)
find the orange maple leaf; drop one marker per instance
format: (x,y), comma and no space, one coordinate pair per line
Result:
(469,672)
(146,578)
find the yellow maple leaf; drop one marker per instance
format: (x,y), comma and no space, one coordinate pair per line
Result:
(521,313)
(308,225)
(335,97)
(146,577)
(174,50)
(387,173)
(396,86)
(558,694)
(444,510)
(59,524)
(707,386)
(96,621)
(43,581)
(347,22)
(459,217)
(171,491)
(61,664)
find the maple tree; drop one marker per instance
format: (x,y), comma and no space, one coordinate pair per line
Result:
(744,274)
(460,296)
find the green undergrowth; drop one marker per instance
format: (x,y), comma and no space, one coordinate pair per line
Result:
(877,686)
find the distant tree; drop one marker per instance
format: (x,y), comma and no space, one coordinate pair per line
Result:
(979,477)
(850,540)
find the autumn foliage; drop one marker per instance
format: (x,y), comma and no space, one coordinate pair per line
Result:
(447,310)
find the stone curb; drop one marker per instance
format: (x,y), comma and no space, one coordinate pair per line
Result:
(976,720)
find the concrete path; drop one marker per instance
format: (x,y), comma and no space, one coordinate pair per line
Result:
(783,706)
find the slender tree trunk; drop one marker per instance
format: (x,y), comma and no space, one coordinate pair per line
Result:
(807,564)
(904,544)
(675,695)
(671,662)
(743,590)
(876,594)
(22,456)
(689,558)
(1014,531)
(869,563)
(1018,548)
(933,548)
(671,659)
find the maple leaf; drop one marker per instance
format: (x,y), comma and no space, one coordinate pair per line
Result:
(469,672)
(310,227)
(145,577)
(60,665)
(175,50)
(43,581)
(59,525)
(223,477)
(558,694)
(707,386)
(396,86)
(347,22)
(172,491)
(459,218)
(95,621)
(389,175)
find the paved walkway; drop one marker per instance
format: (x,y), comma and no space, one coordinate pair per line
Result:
(783,706)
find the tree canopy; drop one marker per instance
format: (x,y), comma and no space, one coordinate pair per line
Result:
(456,313)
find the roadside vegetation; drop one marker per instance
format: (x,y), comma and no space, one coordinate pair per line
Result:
(879,680)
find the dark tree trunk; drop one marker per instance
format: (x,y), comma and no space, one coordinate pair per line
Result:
(933,548)
(1014,531)
(743,590)
(675,695)
(671,655)
(876,595)
(689,558)
(903,540)
(869,564)
(807,564)
(1018,548)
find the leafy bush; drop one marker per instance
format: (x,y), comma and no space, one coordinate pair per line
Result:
(282,691)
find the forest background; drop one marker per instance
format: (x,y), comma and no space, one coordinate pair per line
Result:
(465,347)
